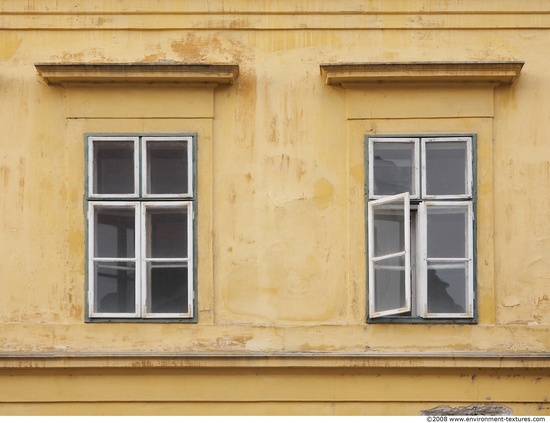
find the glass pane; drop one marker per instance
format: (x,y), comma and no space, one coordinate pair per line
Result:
(114,232)
(167,287)
(447,288)
(393,171)
(114,287)
(167,167)
(167,230)
(113,167)
(389,227)
(447,232)
(446,168)
(389,284)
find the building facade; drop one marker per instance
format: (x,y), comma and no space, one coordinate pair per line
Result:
(274,207)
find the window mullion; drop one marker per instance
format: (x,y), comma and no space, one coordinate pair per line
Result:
(143,260)
(139,271)
(422,270)
(190,255)
(471,251)
(91,257)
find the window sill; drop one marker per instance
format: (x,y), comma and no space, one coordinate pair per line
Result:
(421,321)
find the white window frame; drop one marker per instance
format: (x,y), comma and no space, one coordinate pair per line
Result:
(416,163)
(405,254)
(467,170)
(419,264)
(92,259)
(91,170)
(185,260)
(468,260)
(145,170)
(141,203)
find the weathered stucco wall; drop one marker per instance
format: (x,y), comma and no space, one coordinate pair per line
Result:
(281,172)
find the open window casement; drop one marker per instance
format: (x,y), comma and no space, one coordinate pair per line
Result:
(421,253)
(447,259)
(389,256)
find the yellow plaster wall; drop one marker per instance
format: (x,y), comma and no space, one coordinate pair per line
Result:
(271,391)
(283,223)
(281,170)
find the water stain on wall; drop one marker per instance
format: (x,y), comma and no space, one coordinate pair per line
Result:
(9,44)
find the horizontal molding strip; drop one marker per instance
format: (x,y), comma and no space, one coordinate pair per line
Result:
(416,7)
(235,21)
(109,73)
(274,360)
(420,72)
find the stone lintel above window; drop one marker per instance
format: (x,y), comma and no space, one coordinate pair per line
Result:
(420,72)
(140,73)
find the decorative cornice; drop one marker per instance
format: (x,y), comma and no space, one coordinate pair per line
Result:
(420,72)
(137,73)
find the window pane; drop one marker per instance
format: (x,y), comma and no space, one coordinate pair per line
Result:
(389,228)
(393,170)
(167,287)
(167,232)
(114,232)
(113,167)
(447,232)
(167,168)
(447,288)
(446,168)
(389,284)
(114,287)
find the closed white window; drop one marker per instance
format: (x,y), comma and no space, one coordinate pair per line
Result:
(140,200)
(420,228)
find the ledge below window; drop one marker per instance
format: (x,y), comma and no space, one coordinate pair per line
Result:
(423,72)
(136,360)
(141,73)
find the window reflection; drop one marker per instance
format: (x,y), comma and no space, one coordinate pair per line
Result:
(440,299)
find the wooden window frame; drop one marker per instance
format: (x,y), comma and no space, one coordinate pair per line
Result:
(417,250)
(141,202)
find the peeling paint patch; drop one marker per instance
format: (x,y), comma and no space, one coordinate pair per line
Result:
(222,343)
(470,410)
